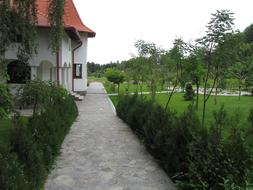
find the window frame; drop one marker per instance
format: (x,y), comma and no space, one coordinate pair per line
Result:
(80,70)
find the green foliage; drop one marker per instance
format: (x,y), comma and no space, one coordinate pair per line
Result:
(189,92)
(250,118)
(6,101)
(149,57)
(11,172)
(56,11)
(249,34)
(220,26)
(18,22)
(35,93)
(115,76)
(35,144)
(202,158)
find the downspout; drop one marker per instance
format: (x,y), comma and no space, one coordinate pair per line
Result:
(73,61)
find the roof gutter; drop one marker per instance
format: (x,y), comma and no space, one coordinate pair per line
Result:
(73,34)
(73,62)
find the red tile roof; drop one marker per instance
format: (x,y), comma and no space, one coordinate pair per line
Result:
(71,17)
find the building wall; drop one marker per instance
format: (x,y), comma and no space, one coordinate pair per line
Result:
(66,63)
(43,65)
(81,58)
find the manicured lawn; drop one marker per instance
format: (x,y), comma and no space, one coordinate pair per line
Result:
(232,105)
(231,84)
(129,87)
(96,79)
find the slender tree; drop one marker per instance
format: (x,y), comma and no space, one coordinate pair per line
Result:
(220,25)
(151,54)
(194,68)
(177,55)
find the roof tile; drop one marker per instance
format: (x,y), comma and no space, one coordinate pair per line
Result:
(71,17)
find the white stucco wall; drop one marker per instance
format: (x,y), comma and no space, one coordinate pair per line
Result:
(44,50)
(81,58)
(43,64)
(66,62)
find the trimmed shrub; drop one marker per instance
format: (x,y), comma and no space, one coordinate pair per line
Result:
(194,157)
(35,144)
(189,92)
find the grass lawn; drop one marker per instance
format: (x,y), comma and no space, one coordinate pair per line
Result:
(130,87)
(96,79)
(232,105)
(231,84)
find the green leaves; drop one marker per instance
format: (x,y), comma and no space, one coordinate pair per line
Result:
(6,101)
(18,24)
(115,76)
(202,158)
(56,12)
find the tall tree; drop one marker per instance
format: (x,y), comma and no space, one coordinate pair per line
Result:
(249,34)
(243,65)
(177,55)
(194,68)
(220,25)
(151,53)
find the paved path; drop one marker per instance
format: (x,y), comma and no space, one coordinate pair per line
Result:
(102,153)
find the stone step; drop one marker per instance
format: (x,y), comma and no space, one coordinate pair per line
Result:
(76,96)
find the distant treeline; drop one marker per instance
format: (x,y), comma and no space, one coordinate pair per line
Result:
(95,69)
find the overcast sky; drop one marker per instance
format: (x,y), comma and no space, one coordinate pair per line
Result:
(120,23)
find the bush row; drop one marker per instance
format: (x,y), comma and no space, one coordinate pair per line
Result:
(35,144)
(194,158)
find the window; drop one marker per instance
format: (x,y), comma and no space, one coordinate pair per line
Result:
(78,71)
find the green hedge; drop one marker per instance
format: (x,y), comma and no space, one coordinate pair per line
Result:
(35,144)
(193,157)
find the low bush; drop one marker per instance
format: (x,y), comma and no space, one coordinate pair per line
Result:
(194,157)
(35,144)
(189,92)
(250,118)
(6,101)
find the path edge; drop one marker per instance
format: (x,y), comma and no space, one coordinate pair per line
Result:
(110,101)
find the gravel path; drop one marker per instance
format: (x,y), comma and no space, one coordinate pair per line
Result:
(102,153)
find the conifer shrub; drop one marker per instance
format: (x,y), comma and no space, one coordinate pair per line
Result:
(189,92)
(216,157)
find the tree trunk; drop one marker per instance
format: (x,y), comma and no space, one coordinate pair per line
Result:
(215,97)
(240,91)
(153,90)
(35,107)
(118,88)
(197,98)
(172,92)
(204,100)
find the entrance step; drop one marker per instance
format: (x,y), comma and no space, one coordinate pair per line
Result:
(76,96)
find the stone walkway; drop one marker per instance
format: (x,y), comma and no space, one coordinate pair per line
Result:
(102,153)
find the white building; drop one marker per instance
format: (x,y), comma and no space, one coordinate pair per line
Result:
(68,67)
